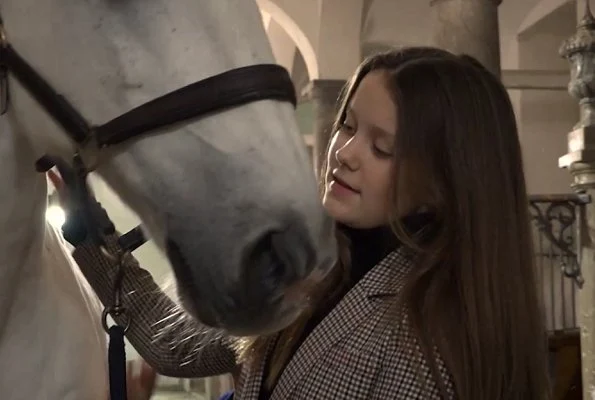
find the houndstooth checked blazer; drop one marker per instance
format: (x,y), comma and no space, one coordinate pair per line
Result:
(351,354)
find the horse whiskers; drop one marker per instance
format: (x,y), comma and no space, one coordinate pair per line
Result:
(210,337)
(179,329)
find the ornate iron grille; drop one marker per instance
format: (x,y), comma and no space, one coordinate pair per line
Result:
(556,222)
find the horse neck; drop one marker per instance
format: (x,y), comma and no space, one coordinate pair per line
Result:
(45,303)
(22,214)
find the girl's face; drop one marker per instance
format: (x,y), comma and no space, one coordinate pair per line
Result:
(360,157)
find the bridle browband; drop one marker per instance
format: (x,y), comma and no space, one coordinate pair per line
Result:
(229,89)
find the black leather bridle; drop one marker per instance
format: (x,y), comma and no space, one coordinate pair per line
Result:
(229,89)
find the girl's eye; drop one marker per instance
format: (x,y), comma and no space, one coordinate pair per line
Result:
(380,152)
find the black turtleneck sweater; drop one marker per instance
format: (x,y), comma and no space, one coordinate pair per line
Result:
(368,247)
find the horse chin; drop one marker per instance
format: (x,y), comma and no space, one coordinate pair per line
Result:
(272,319)
(248,307)
(279,318)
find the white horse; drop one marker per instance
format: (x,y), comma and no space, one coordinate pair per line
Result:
(232,192)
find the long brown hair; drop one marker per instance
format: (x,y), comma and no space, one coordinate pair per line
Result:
(473,294)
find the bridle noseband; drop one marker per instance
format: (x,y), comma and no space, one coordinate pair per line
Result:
(229,89)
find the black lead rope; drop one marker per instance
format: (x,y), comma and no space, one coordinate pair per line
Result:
(117,363)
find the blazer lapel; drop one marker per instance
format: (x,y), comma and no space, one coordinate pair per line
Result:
(355,308)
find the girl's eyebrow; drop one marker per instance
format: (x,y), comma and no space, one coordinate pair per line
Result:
(377,130)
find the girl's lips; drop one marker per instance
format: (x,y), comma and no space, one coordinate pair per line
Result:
(344,184)
(341,189)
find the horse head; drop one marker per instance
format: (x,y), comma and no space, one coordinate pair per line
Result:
(229,196)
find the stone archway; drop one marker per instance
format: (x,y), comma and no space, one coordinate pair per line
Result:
(301,40)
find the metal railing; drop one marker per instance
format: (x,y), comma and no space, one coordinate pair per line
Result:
(556,222)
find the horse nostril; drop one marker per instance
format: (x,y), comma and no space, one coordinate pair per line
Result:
(275,260)
(267,258)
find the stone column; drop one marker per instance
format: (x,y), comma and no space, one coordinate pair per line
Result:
(468,26)
(580,161)
(338,52)
(323,93)
(338,48)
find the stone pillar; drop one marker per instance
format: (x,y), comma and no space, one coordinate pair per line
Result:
(580,161)
(338,52)
(323,93)
(338,49)
(468,26)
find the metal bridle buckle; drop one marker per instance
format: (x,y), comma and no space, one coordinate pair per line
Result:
(117,309)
